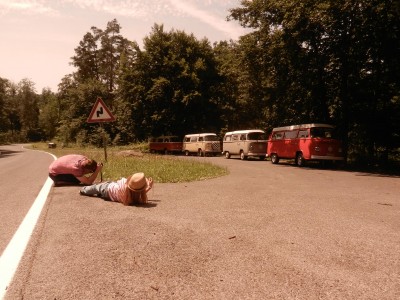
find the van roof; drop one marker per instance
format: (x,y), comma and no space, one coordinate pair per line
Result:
(199,134)
(302,126)
(245,131)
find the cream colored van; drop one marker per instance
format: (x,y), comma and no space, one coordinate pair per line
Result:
(245,143)
(201,144)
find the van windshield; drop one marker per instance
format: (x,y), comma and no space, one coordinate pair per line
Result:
(256,136)
(322,132)
(211,138)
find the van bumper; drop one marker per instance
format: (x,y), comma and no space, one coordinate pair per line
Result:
(257,154)
(325,157)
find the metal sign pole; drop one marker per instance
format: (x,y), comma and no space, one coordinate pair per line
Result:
(104,141)
(100,113)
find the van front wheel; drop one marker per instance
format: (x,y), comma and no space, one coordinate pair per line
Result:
(200,152)
(274,158)
(187,153)
(227,155)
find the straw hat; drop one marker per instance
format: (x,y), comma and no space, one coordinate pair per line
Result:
(137,182)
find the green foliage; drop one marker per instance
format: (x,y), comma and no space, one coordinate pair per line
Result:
(169,88)
(330,61)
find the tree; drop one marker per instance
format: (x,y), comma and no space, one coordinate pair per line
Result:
(99,54)
(332,61)
(27,102)
(49,116)
(99,59)
(4,86)
(170,87)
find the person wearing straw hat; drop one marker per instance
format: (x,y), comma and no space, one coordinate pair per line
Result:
(128,191)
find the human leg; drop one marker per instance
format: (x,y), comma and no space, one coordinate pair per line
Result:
(99,190)
(64,179)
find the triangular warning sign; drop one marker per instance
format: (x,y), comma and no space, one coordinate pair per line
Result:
(100,113)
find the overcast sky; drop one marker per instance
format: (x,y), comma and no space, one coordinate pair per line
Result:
(38,37)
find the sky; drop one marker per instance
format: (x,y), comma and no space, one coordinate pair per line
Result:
(38,37)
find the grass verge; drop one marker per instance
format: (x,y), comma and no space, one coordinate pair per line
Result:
(124,161)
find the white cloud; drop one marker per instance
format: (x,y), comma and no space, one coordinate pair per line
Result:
(210,12)
(25,6)
(53,28)
(218,22)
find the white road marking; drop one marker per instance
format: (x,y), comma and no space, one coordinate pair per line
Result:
(12,255)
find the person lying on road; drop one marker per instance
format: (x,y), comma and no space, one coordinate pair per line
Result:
(128,191)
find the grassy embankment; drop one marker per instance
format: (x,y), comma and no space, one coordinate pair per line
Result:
(163,168)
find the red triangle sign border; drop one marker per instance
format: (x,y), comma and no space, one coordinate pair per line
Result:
(100,108)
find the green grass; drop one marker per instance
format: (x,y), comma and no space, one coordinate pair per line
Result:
(163,168)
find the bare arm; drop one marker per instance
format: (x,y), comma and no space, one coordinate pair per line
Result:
(91,178)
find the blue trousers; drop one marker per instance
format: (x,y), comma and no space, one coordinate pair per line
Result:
(98,190)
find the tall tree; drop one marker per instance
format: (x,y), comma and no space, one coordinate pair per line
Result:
(170,88)
(29,109)
(331,62)
(49,117)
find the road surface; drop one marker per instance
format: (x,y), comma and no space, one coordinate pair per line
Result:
(262,232)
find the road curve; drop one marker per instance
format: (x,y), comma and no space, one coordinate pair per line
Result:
(262,232)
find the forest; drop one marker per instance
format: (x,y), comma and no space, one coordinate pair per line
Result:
(309,61)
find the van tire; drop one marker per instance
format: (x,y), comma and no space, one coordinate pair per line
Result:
(200,153)
(274,158)
(227,155)
(187,153)
(242,156)
(300,160)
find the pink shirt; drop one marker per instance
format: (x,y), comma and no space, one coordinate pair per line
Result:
(68,164)
(118,190)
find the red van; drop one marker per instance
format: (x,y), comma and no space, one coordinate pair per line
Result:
(306,142)
(166,144)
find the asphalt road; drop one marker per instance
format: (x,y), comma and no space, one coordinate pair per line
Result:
(22,175)
(262,232)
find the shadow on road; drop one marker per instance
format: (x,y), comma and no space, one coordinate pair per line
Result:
(392,171)
(5,153)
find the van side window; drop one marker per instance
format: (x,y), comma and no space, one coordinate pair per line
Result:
(228,138)
(291,134)
(277,136)
(201,138)
(243,137)
(235,137)
(303,133)
(193,139)
(187,139)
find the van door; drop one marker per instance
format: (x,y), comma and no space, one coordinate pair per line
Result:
(235,144)
(241,145)
(227,144)
(291,143)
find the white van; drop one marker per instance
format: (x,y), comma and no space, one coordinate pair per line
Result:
(202,144)
(245,143)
